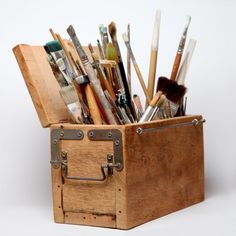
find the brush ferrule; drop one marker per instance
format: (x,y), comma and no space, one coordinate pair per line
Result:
(147,114)
(76,111)
(182,44)
(130,52)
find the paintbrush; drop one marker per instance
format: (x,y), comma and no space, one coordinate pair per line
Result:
(138,105)
(180,50)
(92,75)
(157,101)
(112,32)
(72,102)
(153,55)
(104,36)
(101,73)
(129,62)
(173,91)
(140,77)
(102,54)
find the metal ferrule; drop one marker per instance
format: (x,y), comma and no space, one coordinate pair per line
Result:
(76,111)
(130,52)
(147,114)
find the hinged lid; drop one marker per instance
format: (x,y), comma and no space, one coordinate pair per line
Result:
(41,83)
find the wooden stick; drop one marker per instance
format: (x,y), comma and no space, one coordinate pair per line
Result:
(129,62)
(138,72)
(53,34)
(92,104)
(153,56)
(65,49)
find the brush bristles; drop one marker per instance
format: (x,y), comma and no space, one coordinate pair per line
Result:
(112,29)
(171,89)
(188,20)
(69,95)
(125,37)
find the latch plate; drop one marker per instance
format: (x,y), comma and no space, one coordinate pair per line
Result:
(110,135)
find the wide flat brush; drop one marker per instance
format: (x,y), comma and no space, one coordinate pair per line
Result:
(173,91)
(72,102)
(180,50)
(140,77)
(154,55)
(112,32)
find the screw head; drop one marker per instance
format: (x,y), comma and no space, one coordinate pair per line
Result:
(79,134)
(139,130)
(117,142)
(62,133)
(109,135)
(55,141)
(91,134)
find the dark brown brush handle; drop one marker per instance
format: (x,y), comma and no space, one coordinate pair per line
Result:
(176,66)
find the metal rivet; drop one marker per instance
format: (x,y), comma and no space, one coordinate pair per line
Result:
(139,130)
(109,135)
(117,142)
(55,141)
(62,133)
(79,134)
(91,134)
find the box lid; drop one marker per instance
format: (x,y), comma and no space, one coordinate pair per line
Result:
(41,83)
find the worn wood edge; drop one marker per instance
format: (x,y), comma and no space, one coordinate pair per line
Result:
(17,50)
(57,192)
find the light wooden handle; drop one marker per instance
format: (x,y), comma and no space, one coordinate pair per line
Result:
(152,74)
(65,49)
(140,77)
(176,66)
(92,104)
(53,34)
(155,99)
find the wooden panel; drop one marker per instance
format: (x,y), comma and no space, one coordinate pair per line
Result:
(90,219)
(164,170)
(41,83)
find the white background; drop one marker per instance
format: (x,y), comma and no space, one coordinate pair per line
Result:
(25,196)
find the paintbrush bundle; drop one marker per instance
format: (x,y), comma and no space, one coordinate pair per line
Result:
(97,90)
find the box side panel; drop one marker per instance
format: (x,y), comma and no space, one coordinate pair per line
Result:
(41,84)
(164,169)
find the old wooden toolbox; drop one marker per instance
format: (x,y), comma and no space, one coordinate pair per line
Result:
(114,176)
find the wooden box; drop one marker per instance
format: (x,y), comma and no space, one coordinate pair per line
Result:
(114,176)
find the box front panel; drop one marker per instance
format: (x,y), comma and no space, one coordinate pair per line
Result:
(88,194)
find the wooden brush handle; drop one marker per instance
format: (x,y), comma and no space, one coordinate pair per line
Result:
(140,77)
(65,49)
(155,99)
(53,34)
(152,74)
(92,104)
(176,66)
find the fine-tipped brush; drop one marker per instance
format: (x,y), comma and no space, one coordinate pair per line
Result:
(112,32)
(102,54)
(140,77)
(180,50)
(129,62)
(154,55)
(92,75)
(71,100)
